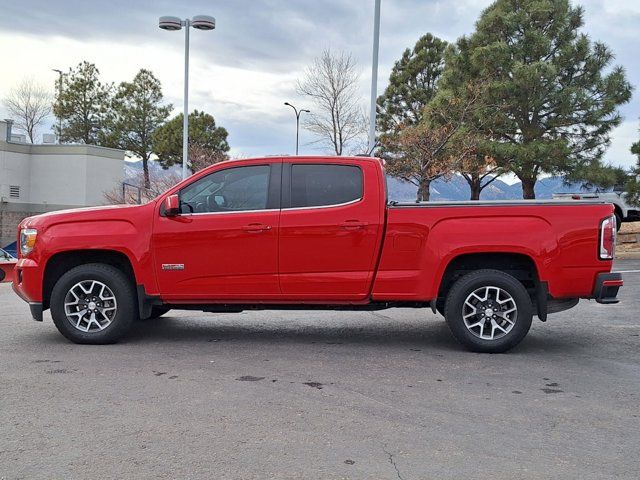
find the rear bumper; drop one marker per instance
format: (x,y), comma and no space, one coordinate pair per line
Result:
(607,286)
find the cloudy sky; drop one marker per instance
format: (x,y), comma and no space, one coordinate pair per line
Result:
(244,70)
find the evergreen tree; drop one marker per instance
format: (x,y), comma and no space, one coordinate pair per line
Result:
(203,133)
(401,109)
(552,94)
(633,183)
(82,103)
(412,84)
(136,112)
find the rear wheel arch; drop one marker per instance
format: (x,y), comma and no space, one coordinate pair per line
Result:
(519,265)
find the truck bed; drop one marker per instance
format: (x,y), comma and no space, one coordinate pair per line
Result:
(422,239)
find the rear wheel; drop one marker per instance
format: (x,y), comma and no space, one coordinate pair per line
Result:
(618,221)
(93,304)
(488,311)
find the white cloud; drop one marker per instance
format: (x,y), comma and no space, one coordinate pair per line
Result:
(244,70)
(622,138)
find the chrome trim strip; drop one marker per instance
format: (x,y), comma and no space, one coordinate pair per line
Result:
(492,203)
(229,213)
(326,206)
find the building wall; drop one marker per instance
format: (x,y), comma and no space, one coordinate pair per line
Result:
(53,177)
(9,222)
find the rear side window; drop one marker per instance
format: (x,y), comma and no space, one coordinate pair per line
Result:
(315,185)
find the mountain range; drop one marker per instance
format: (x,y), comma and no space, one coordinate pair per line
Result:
(457,189)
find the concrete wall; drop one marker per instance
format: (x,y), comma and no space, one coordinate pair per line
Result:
(53,177)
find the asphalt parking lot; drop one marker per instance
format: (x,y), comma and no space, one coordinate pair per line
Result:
(326,395)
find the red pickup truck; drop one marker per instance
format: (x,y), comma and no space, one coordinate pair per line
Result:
(314,232)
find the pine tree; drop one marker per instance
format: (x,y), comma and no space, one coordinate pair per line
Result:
(203,134)
(82,103)
(554,96)
(401,109)
(136,112)
(633,183)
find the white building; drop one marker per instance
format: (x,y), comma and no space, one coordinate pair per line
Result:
(41,178)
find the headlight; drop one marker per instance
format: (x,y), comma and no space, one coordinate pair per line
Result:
(27,240)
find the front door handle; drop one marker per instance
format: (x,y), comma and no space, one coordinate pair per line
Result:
(256,228)
(353,224)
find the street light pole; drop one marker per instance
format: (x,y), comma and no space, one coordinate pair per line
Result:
(200,22)
(185,119)
(374,78)
(59,100)
(297,122)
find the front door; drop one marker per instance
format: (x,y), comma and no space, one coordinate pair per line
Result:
(224,244)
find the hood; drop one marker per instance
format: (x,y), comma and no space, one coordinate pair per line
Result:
(108,212)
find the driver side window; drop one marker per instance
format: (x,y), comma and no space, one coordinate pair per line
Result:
(234,189)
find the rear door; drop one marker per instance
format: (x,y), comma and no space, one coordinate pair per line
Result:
(330,224)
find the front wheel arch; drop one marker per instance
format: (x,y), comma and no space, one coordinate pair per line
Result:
(79,324)
(60,263)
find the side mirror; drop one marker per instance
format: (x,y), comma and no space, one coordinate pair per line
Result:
(172,205)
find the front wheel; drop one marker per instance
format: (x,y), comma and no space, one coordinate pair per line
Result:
(93,304)
(488,311)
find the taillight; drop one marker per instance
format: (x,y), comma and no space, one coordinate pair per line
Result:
(607,238)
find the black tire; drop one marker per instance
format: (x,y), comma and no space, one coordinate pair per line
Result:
(471,282)
(124,294)
(618,222)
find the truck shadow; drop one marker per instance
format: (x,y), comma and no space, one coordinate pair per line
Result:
(176,329)
(432,334)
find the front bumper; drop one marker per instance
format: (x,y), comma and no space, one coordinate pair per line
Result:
(35,307)
(607,286)
(27,284)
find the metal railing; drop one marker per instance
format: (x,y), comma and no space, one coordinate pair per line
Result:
(132,193)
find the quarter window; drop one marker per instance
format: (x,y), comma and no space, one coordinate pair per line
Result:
(315,185)
(230,190)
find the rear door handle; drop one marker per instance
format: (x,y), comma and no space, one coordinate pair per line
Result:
(256,228)
(353,224)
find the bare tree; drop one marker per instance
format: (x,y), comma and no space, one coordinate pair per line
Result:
(134,189)
(29,104)
(426,155)
(201,157)
(438,146)
(479,171)
(331,83)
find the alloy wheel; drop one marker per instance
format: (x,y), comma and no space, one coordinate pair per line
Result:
(489,312)
(90,306)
